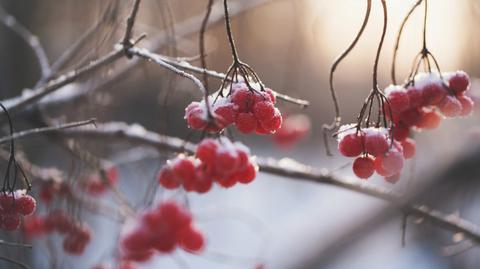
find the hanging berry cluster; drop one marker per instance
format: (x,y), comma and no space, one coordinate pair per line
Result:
(161,229)
(219,161)
(421,104)
(76,235)
(13,206)
(374,151)
(249,110)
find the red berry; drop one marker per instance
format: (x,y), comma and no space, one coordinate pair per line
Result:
(400,132)
(273,124)
(167,178)
(411,117)
(459,82)
(398,100)
(247,175)
(183,169)
(226,114)
(364,167)
(351,145)
(415,97)
(195,116)
(46,193)
(228,182)
(467,105)
(226,161)
(9,222)
(34,226)
(433,93)
(191,240)
(206,151)
(203,182)
(409,148)
(429,120)
(450,107)
(7,203)
(375,143)
(393,162)
(26,205)
(261,131)
(379,167)
(246,122)
(264,111)
(242,98)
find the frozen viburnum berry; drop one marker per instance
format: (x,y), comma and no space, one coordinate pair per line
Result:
(364,167)
(450,107)
(191,240)
(398,99)
(246,122)
(467,105)
(26,205)
(458,81)
(375,142)
(351,145)
(429,120)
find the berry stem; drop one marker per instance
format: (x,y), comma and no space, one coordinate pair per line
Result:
(202,57)
(229,32)
(380,45)
(337,120)
(397,42)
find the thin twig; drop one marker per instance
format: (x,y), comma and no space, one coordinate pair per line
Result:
(19,264)
(44,130)
(130,23)
(284,168)
(143,53)
(13,244)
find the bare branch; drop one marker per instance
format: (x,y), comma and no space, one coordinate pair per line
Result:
(43,130)
(136,134)
(13,244)
(130,23)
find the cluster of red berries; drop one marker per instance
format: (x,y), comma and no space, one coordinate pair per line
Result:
(161,229)
(14,205)
(294,128)
(375,151)
(250,111)
(77,236)
(95,184)
(218,161)
(422,105)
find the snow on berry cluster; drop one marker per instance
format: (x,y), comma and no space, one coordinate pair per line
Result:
(294,128)
(374,151)
(95,184)
(14,205)
(219,161)
(422,105)
(160,229)
(76,235)
(250,111)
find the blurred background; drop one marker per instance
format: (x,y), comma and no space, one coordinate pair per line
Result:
(281,223)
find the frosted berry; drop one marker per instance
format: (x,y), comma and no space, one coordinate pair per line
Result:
(363,167)
(25,204)
(467,105)
(433,93)
(351,145)
(167,178)
(398,100)
(415,97)
(264,110)
(459,81)
(376,143)
(226,114)
(247,175)
(450,107)
(246,122)
(429,120)
(273,124)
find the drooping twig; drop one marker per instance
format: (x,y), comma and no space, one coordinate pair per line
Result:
(44,130)
(337,119)
(283,168)
(13,244)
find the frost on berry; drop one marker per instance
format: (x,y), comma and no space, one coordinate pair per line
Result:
(376,142)
(398,98)
(13,206)
(450,107)
(350,143)
(458,81)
